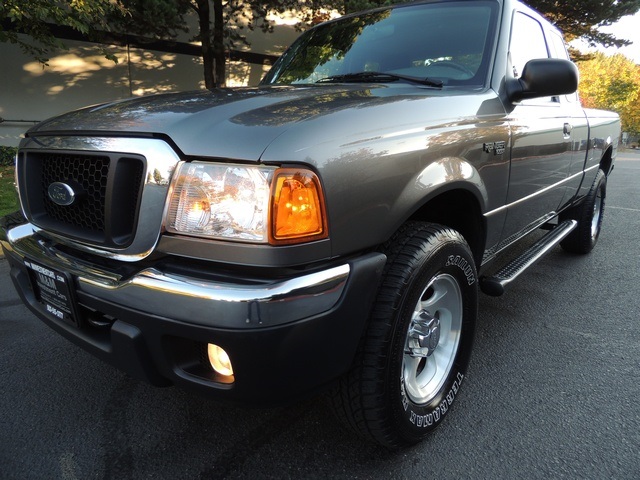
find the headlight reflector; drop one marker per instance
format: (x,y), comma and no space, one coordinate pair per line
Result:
(220,201)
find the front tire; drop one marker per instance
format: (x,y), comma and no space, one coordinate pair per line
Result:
(414,354)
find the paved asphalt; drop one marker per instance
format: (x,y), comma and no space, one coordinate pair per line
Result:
(553,392)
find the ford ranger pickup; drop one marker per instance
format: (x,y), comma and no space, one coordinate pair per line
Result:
(329,229)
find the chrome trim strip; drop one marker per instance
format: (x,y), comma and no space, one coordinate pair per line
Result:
(223,305)
(193,300)
(592,167)
(533,195)
(160,160)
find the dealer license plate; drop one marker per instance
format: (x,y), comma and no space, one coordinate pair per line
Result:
(53,290)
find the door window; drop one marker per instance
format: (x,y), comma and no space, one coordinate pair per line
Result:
(527,42)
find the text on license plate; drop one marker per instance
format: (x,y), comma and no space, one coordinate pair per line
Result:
(52,290)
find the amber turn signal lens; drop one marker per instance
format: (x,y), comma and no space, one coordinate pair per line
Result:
(297,209)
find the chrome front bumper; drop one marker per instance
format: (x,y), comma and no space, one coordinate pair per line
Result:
(222,304)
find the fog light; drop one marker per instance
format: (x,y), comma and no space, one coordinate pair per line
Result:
(219,360)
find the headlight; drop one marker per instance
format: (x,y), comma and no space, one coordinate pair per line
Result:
(250,203)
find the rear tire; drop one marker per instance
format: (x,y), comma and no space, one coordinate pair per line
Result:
(589,215)
(414,354)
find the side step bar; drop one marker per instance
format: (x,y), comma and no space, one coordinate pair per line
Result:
(496,284)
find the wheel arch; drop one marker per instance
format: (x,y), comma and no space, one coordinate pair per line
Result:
(606,162)
(460,210)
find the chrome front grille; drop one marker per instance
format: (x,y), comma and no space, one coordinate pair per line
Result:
(122,184)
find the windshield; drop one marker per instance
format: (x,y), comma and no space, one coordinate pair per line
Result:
(448,43)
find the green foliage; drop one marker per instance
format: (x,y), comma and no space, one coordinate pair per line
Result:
(612,83)
(162,19)
(34,17)
(8,195)
(7,156)
(581,19)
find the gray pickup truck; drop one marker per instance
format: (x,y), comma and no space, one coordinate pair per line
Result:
(329,229)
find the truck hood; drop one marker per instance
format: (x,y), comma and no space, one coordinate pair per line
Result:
(237,124)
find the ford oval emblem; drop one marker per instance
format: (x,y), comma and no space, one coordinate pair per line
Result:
(61,194)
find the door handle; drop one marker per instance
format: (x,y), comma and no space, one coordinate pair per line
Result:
(566,130)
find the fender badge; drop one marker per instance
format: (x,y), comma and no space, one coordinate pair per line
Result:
(61,194)
(497,148)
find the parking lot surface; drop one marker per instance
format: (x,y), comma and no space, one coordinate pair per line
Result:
(552,392)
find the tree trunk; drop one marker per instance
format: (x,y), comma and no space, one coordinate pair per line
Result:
(205,39)
(218,44)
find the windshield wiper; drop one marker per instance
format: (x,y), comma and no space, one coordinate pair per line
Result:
(379,77)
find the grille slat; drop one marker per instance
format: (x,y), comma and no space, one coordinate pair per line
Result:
(108,190)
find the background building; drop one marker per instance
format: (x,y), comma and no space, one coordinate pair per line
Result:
(81,76)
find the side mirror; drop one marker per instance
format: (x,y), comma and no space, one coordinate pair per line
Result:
(544,77)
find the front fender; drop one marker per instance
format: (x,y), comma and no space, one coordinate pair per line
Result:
(445,174)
